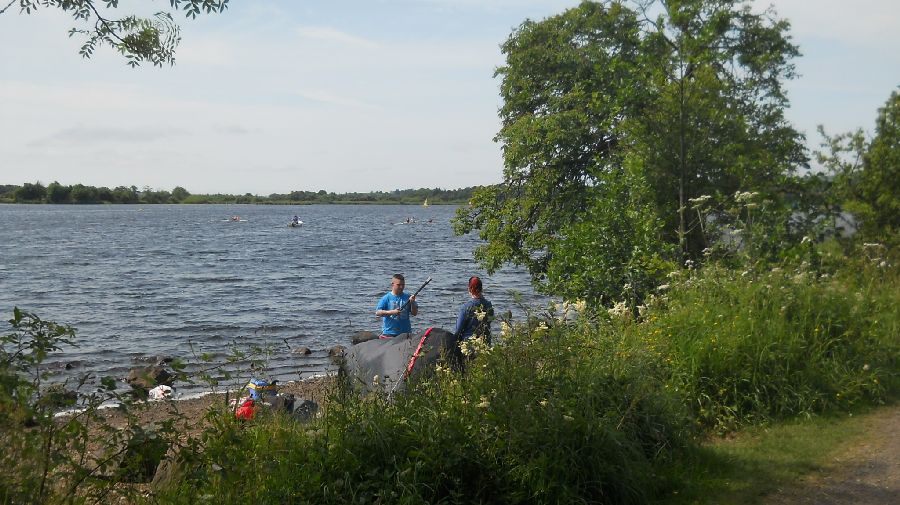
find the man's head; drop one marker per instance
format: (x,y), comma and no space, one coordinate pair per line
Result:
(397,284)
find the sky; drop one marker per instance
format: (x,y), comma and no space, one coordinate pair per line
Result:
(277,96)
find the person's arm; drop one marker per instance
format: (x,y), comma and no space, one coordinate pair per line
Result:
(461,320)
(413,306)
(381,310)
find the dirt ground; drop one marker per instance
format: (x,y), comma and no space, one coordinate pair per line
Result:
(193,410)
(866,474)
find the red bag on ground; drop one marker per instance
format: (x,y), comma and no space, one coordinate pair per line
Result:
(245,411)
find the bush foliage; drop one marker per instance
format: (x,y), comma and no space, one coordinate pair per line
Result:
(582,404)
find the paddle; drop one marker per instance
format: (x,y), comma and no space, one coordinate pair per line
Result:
(403,305)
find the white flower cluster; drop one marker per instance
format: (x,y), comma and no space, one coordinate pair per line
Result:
(620,310)
(699,201)
(745,196)
(475,345)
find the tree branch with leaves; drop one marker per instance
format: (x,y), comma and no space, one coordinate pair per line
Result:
(139,39)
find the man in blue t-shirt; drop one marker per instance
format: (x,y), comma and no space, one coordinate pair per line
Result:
(395,308)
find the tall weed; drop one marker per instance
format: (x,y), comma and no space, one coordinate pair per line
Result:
(745,347)
(556,413)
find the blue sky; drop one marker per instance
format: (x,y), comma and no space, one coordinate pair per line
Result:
(343,95)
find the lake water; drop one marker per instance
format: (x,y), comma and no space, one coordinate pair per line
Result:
(178,280)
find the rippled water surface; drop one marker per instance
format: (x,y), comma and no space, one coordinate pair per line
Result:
(138,282)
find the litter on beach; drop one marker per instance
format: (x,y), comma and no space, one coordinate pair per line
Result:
(160,392)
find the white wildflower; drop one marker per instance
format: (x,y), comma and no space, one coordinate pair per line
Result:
(505,328)
(479,344)
(376,380)
(745,196)
(485,403)
(619,310)
(866,367)
(568,418)
(699,201)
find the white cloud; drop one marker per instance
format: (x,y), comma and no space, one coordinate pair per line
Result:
(82,135)
(327,97)
(334,36)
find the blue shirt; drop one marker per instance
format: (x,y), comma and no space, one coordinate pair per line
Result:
(395,325)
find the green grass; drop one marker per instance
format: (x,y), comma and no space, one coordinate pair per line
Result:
(741,470)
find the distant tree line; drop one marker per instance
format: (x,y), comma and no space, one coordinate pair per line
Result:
(56,193)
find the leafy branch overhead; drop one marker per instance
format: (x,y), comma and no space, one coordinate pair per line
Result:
(139,39)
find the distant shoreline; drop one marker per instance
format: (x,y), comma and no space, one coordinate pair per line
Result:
(79,194)
(2,202)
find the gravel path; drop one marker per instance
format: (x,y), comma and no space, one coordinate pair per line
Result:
(866,474)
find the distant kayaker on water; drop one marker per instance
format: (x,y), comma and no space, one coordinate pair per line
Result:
(394,309)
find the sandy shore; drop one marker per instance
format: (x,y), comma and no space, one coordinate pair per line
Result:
(190,412)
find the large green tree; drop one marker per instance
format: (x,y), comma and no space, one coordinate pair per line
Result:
(865,173)
(139,39)
(879,185)
(659,102)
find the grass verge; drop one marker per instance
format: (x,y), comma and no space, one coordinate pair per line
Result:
(759,460)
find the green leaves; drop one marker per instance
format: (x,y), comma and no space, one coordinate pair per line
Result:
(863,176)
(138,39)
(612,122)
